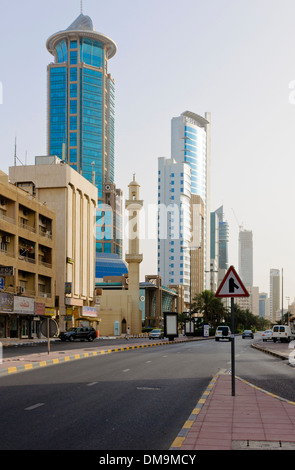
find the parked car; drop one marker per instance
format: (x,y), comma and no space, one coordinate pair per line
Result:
(81,333)
(267,335)
(222,332)
(247,334)
(156,333)
(283,333)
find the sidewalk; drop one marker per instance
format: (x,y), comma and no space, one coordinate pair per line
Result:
(252,419)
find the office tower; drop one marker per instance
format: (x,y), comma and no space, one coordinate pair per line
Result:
(223,236)
(174,223)
(191,143)
(274,294)
(264,305)
(246,257)
(81,111)
(214,250)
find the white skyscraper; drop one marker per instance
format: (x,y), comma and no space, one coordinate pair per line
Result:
(246,257)
(174,222)
(191,143)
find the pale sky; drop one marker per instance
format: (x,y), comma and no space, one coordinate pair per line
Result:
(235,59)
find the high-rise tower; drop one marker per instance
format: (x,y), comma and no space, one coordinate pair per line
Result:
(191,143)
(81,111)
(246,257)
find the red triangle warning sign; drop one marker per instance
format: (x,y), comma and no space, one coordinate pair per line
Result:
(232,286)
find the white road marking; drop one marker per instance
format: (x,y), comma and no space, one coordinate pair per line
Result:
(126,370)
(92,383)
(33,407)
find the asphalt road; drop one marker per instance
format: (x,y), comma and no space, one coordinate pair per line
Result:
(131,400)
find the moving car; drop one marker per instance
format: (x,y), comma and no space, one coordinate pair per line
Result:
(247,334)
(267,335)
(222,332)
(81,333)
(157,333)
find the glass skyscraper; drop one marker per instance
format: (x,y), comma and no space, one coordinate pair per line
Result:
(81,114)
(191,143)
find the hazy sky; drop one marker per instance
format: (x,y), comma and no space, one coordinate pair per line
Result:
(235,59)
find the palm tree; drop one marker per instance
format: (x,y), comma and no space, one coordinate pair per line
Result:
(210,307)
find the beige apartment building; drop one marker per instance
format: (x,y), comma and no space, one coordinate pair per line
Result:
(74,200)
(27,262)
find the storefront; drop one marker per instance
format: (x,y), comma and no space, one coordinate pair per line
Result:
(6,309)
(21,321)
(88,316)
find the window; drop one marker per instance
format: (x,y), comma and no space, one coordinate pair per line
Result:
(74,57)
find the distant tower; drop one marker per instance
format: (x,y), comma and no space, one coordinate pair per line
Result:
(246,257)
(133,257)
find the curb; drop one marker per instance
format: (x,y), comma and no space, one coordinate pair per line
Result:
(267,351)
(55,361)
(179,440)
(265,391)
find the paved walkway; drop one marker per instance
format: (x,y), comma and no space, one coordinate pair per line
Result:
(252,419)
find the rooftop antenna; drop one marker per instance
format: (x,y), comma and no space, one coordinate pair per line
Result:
(81,7)
(15,155)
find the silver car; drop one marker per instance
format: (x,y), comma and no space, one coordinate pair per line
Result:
(157,333)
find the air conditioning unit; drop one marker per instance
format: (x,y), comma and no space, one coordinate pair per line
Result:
(5,239)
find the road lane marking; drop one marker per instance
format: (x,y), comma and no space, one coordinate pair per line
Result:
(91,384)
(33,407)
(126,370)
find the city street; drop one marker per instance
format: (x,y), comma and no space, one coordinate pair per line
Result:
(131,400)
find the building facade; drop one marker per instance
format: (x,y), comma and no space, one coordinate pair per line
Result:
(81,115)
(27,262)
(191,143)
(174,223)
(74,200)
(264,305)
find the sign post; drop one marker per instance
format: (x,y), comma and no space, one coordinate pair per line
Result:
(232,287)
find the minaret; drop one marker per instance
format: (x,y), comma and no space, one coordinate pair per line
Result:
(133,257)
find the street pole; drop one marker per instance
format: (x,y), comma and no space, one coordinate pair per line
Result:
(48,339)
(233,345)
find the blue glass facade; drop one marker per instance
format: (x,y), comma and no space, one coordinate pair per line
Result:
(81,113)
(195,155)
(81,109)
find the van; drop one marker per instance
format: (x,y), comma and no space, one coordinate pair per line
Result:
(222,332)
(283,333)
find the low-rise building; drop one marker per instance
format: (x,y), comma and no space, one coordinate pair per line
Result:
(27,261)
(74,200)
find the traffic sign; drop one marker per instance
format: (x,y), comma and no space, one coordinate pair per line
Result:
(232,286)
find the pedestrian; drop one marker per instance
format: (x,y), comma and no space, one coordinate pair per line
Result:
(128,333)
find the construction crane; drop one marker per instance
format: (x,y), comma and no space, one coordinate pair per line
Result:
(240,226)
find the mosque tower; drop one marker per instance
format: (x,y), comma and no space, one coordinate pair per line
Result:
(133,257)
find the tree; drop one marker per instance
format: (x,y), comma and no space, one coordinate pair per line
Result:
(210,307)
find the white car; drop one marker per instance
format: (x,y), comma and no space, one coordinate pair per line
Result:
(267,335)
